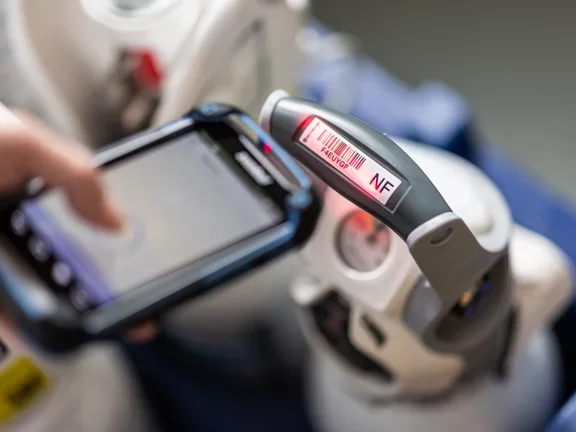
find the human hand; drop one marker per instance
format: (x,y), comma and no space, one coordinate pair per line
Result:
(29,149)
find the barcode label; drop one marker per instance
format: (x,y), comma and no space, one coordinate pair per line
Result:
(334,143)
(350,161)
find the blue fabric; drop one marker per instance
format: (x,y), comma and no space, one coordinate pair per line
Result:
(432,113)
(190,400)
(565,420)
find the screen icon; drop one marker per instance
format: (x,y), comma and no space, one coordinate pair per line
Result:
(79,299)
(19,224)
(61,274)
(38,249)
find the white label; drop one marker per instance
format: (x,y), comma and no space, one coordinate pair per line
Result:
(353,163)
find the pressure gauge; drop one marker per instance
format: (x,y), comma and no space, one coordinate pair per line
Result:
(363,242)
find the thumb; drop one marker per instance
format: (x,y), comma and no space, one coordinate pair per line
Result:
(40,152)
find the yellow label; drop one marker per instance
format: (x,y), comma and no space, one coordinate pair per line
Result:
(21,383)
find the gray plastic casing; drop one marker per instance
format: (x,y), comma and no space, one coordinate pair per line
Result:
(450,256)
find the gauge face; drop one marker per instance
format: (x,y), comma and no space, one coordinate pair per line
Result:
(363,242)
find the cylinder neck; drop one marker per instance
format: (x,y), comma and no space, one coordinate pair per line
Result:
(132,5)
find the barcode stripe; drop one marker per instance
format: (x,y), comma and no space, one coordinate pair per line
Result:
(354,159)
(340,148)
(331,140)
(344,152)
(333,143)
(350,151)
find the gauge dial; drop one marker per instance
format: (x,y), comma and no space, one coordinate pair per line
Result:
(363,242)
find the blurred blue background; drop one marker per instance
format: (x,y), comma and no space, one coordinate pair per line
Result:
(512,61)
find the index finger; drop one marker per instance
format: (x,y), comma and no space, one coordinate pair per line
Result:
(33,150)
